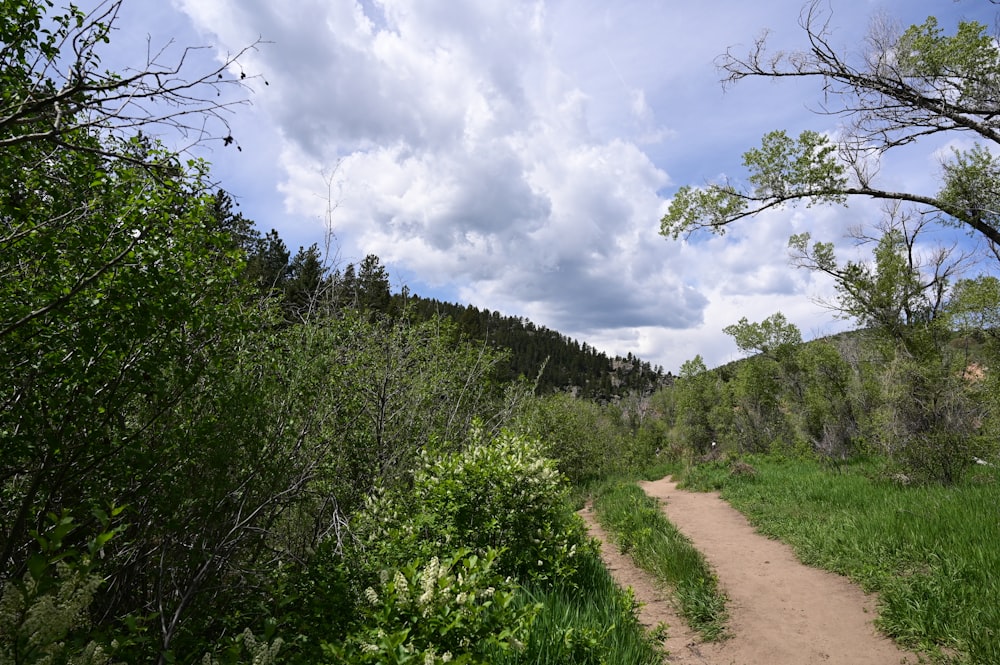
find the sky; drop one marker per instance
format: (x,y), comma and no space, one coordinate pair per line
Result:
(517,155)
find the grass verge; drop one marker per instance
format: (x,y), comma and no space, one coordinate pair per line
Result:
(930,552)
(593,623)
(640,529)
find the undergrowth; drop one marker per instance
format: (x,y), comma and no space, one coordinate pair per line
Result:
(640,529)
(594,624)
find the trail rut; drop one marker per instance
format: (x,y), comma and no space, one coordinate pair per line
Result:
(781,612)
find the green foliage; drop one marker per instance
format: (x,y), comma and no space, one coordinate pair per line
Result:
(889,294)
(587,440)
(498,493)
(712,207)
(964,64)
(640,529)
(970,189)
(931,420)
(974,306)
(695,391)
(44,615)
(781,170)
(826,415)
(760,384)
(455,610)
(769,336)
(306,285)
(479,559)
(759,414)
(805,168)
(248,648)
(402,385)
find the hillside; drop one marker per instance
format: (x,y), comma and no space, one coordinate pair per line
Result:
(565,364)
(305,285)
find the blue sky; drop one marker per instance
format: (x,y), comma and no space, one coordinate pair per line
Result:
(518,155)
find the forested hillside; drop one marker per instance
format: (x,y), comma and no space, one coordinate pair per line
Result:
(556,362)
(569,365)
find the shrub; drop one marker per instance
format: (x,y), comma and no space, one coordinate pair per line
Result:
(498,493)
(446,610)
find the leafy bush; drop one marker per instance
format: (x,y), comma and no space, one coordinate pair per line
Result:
(499,493)
(44,614)
(587,440)
(448,610)
(932,420)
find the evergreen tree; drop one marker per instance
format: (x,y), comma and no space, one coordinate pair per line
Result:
(306,285)
(267,265)
(373,285)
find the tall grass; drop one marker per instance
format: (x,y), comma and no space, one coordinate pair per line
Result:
(932,553)
(591,623)
(640,529)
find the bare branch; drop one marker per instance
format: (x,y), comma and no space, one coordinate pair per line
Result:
(164,94)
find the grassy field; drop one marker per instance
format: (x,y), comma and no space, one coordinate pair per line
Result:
(639,528)
(932,553)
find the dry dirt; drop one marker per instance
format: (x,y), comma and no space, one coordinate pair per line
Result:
(781,612)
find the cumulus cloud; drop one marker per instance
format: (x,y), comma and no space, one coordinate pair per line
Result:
(514,154)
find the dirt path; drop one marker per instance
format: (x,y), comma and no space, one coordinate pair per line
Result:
(780,611)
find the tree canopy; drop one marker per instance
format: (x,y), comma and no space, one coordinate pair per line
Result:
(905,86)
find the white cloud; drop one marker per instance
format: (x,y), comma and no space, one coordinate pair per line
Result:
(517,154)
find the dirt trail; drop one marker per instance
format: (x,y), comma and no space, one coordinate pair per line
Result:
(781,612)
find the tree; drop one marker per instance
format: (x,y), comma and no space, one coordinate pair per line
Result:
(267,264)
(373,285)
(902,287)
(306,284)
(974,305)
(905,87)
(760,382)
(766,337)
(695,397)
(53,90)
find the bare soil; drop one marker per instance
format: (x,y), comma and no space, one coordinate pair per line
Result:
(781,612)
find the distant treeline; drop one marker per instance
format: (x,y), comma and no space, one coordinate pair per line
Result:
(569,365)
(559,363)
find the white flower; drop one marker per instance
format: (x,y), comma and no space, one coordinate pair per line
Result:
(371,596)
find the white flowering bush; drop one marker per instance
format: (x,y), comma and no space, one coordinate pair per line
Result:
(499,493)
(452,610)
(35,621)
(44,614)
(248,649)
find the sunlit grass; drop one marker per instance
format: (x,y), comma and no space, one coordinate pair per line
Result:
(640,529)
(931,552)
(594,623)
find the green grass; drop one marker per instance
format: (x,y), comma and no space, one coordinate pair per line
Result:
(640,529)
(592,624)
(932,553)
